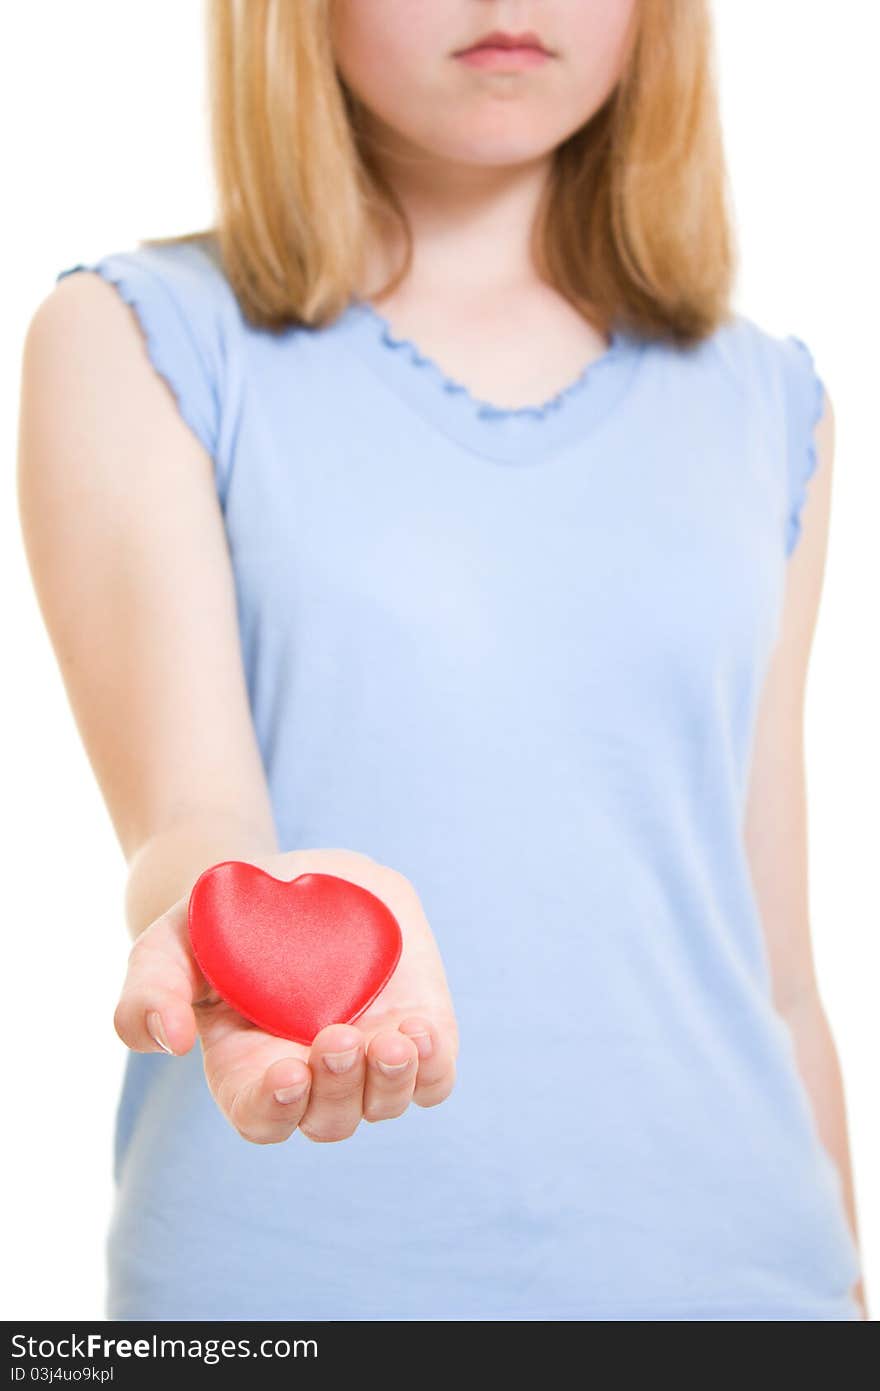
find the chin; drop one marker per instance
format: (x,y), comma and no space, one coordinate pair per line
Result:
(498,141)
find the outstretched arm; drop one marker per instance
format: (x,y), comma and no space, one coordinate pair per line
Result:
(127,548)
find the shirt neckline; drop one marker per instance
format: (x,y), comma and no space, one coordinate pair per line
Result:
(515,434)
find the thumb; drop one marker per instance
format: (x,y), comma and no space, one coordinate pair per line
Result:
(162,980)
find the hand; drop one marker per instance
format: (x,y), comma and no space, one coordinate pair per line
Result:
(402,1048)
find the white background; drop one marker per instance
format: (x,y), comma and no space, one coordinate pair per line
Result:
(105,143)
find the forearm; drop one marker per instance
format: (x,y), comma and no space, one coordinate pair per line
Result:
(167,865)
(819,1066)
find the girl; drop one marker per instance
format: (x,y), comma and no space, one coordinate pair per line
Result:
(432,520)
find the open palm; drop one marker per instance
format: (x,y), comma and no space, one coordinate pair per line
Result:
(401,1049)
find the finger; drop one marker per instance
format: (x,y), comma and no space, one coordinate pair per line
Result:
(392,1065)
(335,1106)
(154,1013)
(266,1109)
(436,1050)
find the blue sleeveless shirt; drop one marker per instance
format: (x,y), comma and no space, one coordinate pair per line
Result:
(516,654)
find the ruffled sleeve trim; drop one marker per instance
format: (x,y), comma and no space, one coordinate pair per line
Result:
(807,409)
(171,339)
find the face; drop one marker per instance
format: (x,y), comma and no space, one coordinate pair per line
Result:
(426,88)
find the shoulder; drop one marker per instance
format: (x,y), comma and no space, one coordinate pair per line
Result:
(765,391)
(740,365)
(780,366)
(170,298)
(179,282)
(176,289)
(780,372)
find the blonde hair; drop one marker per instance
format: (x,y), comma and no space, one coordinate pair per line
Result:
(636,222)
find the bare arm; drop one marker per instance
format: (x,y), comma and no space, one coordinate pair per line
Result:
(128,555)
(776,824)
(127,549)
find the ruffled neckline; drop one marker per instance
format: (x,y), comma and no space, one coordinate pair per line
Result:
(483,409)
(523,435)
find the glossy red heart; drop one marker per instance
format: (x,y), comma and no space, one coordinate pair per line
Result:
(291,955)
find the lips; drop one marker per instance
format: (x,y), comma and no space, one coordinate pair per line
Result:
(500,40)
(505,53)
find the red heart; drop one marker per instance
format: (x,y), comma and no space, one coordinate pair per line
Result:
(291,955)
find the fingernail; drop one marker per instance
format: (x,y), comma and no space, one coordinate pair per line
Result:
(423,1044)
(156,1032)
(341,1062)
(390,1069)
(294,1093)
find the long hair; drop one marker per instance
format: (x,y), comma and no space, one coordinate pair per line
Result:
(635,224)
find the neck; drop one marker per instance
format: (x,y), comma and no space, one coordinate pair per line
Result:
(475,219)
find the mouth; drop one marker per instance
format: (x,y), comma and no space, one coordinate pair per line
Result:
(502,52)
